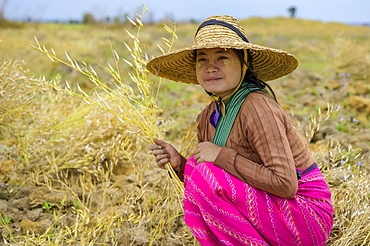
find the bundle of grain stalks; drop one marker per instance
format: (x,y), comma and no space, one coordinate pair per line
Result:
(86,177)
(132,103)
(346,170)
(86,165)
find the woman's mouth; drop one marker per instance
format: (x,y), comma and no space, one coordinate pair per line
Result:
(213,79)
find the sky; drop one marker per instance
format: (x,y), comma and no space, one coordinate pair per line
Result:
(344,11)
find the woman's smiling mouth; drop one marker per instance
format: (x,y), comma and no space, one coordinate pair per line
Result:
(213,79)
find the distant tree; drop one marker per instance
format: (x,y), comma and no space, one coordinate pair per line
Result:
(88,19)
(150,18)
(74,21)
(193,21)
(2,10)
(292,11)
(116,20)
(107,19)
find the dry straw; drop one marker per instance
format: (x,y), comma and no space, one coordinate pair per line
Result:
(135,105)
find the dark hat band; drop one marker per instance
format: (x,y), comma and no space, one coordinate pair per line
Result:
(225,24)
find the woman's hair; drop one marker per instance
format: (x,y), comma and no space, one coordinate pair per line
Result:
(250,75)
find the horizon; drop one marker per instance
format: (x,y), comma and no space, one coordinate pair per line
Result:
(353,12)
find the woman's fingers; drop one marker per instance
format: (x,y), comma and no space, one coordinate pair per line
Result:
(160,142)
(162,160)
(165,153)
(160,154)
(153,146)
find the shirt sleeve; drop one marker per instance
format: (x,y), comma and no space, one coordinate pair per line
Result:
(265,128)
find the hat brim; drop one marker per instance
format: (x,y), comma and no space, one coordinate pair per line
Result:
(179,65)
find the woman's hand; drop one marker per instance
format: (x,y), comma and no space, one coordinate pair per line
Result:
(164,153)
(206,152)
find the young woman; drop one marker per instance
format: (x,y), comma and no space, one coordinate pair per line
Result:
(252,179)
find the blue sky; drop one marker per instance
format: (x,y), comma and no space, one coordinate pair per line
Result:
(345,11)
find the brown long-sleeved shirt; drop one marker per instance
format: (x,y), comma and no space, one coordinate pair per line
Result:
(263,149)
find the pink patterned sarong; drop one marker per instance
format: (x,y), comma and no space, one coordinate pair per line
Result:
(223,210)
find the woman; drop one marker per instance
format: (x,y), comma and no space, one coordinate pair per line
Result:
(252,179)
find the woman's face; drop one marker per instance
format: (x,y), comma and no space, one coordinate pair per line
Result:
(218,70)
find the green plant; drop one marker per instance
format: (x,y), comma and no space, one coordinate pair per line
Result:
(4,220)
(48,206)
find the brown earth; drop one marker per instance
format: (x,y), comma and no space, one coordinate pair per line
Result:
(30,207)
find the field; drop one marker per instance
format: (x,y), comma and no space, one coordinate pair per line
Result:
(75,168)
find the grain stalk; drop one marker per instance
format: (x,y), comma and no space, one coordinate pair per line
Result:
(134,105)
(349,186)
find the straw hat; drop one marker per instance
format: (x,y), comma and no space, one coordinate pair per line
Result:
(222,32)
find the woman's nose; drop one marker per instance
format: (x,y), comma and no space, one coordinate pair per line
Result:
(211,67)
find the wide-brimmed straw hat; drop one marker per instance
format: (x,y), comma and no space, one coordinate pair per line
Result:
(222,32)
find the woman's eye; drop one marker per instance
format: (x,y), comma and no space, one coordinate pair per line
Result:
(223,57)
(201,59)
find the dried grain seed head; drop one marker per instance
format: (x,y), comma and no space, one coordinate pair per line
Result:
(134,104)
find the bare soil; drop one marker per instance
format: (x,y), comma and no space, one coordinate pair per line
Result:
(27,213)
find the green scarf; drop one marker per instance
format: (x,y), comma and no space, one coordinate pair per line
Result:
(233,105)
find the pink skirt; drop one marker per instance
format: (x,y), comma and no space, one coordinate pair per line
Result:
(223,210)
